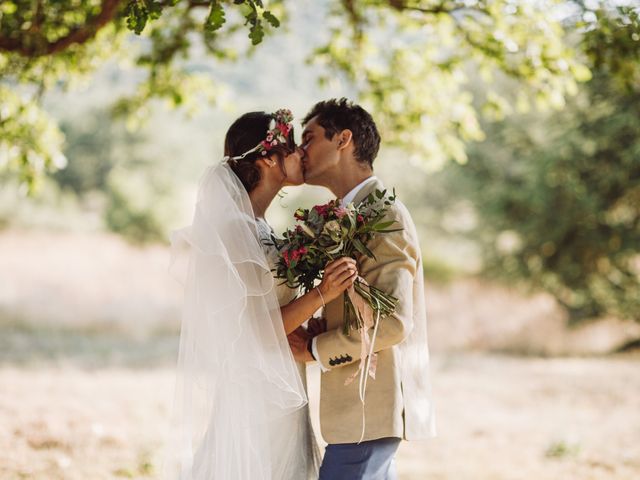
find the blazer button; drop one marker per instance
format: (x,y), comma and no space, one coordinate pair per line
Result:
(349,358)
(332,362)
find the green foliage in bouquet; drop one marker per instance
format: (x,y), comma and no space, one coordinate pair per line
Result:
(330,231)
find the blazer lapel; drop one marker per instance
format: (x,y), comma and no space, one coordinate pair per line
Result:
(366,190)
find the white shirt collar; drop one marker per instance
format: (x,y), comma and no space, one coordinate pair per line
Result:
(348,198)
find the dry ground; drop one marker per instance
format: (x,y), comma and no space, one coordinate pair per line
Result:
(498,418)
(88,337)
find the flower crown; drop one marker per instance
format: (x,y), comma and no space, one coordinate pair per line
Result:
(279,128)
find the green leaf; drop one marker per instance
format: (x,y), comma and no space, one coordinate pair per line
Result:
(256,33)
(352,221)
(271,18)
(216,17)
(137,16)
(383,225)
(155,9)
(363,249)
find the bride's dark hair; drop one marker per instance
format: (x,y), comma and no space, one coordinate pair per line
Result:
(243,135)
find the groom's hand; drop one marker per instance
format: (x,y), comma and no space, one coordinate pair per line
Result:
(298,342)
(316,326)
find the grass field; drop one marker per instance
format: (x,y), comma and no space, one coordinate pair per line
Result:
(499,418)
(88,341)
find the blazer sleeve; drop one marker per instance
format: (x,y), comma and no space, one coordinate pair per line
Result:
(393,271)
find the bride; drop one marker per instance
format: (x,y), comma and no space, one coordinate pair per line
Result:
(241,407)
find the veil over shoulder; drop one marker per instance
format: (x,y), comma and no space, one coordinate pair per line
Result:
(236,373)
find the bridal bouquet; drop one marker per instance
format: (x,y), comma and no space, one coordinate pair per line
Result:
(327,232)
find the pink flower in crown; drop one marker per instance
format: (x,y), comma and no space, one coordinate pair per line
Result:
(266,145)
(284,128)
(269,137)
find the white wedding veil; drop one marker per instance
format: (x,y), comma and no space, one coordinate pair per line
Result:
(236,373)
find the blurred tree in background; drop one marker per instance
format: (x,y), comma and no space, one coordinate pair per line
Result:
(409,61)
(555,192)
(136,185)
(558,196)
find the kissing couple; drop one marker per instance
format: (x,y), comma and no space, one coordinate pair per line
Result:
(240,411)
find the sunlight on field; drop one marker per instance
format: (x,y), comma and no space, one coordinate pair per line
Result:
(88,342)
(499,418)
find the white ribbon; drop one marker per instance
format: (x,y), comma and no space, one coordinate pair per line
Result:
(368,359)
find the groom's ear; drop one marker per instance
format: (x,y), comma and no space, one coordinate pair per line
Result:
(344,138)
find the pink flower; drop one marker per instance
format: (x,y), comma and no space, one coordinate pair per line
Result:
(360,219)
(285,257)
(266,145)
(340,212)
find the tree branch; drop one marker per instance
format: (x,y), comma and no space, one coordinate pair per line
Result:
(401,5)
(77,35)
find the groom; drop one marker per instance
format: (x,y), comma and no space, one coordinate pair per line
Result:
(341,141)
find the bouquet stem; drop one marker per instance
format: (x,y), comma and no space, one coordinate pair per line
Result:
(381,303)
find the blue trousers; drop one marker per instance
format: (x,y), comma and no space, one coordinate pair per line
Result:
(372,460)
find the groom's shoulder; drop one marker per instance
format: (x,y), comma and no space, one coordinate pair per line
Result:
(399,212)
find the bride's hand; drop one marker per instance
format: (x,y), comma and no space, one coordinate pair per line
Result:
(338,276)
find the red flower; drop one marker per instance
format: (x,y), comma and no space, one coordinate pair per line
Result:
(360,219)
(322,210)
(285,256)
(284,128)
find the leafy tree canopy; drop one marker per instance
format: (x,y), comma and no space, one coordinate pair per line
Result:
(558,196)
(409,61)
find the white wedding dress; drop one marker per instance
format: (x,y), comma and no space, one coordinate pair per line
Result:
(295,428)
(240,408)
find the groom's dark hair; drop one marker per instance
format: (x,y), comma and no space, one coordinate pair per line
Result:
(336,115)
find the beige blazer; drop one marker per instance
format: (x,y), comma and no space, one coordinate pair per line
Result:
(398,402)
